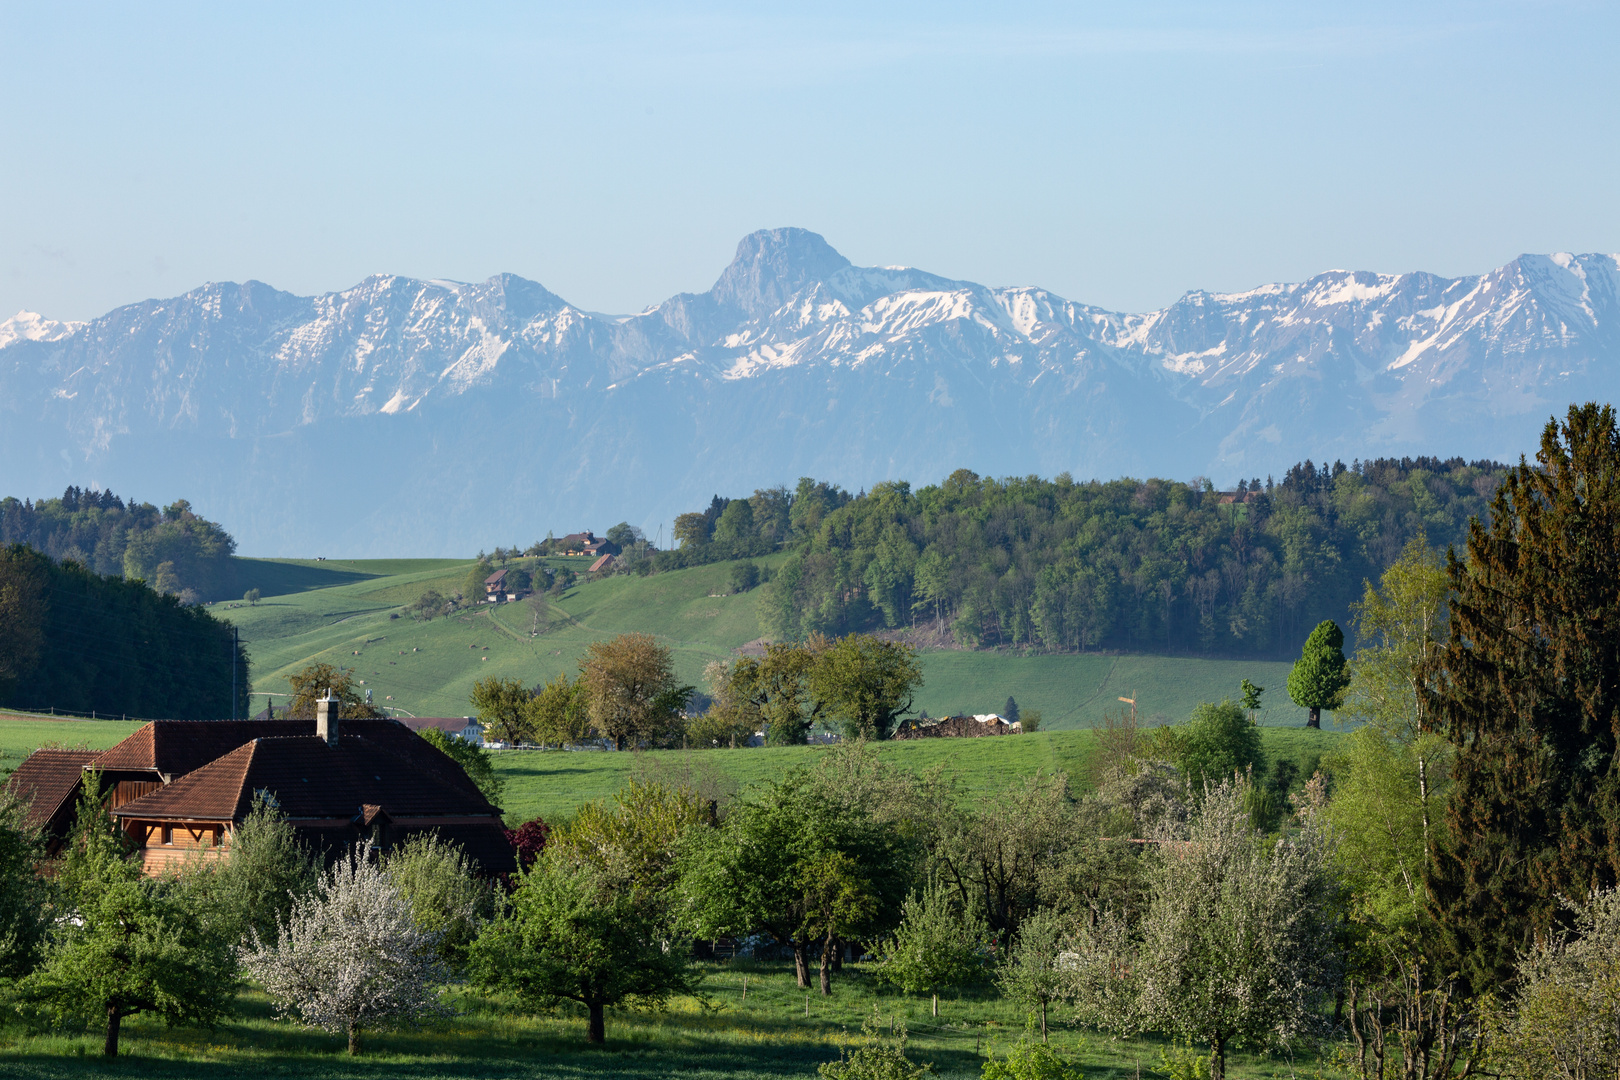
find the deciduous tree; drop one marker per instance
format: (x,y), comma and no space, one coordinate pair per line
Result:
(351,956)
(569,934)
(316,680)
(939,945)
(1238,943)
(473,759)
(630,687)
(503,706)
(1031,972)
(559,713)
(1319,678)
(865,683)
(132,944)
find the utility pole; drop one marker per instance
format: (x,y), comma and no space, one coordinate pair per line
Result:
(1131,701)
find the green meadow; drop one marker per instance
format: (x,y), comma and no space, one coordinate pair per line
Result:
(338,611)
(553,783)
(777,1031)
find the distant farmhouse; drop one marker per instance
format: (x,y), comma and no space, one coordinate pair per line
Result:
(499,586)
(179,788)
(602,564)
(465,728)
(577,543)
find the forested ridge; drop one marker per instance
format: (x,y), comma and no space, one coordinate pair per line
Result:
(1067,566)
(77,641)
(172,549)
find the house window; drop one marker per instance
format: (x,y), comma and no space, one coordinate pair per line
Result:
(168,835)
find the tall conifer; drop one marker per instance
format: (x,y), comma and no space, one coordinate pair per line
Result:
(1528,688)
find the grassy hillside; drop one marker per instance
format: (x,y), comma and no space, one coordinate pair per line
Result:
(338,611)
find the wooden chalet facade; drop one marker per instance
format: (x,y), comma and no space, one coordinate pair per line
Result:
(179,788)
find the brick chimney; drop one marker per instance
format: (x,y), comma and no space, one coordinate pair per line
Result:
(326,718)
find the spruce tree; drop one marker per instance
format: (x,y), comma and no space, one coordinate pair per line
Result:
(1528,689)
(1320,674)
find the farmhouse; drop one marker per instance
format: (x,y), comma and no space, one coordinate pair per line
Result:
(604,563)
(179,788)
(576,543)
(500,586)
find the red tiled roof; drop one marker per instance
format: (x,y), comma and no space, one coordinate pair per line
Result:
(48,778)
(604,561)
(178,747)
(310,780)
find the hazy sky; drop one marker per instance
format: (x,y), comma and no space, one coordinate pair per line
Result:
(1118,154)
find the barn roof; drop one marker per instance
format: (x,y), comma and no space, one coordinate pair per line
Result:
(496,578)
(309,779)
(175,748)
(47,779)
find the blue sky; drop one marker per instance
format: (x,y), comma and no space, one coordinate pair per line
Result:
(1118,154)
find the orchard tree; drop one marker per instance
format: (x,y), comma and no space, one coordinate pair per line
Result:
(251,596)
(447,894)
(569,934)
(1032,973)
(1318,679)
(816,858)
(252,891)
(24,908)
(132,944)
(1561,1022)
(940,945)
(1527,689)
(351,955)
(1238,941)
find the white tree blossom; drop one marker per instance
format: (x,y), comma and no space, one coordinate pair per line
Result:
(351,956)
(1238,942)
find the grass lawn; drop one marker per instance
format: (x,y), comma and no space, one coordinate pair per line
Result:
(717,1035)
(552,783)
(22,734)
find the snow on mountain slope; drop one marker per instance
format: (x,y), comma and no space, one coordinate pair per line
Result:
(796,362)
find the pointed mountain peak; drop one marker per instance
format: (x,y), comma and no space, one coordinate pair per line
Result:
(772,265)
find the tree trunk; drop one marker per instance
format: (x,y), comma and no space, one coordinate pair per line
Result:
(114,1019)
(936,1006)
(596,1028)
(1315,718)
(354,1040)
(1217,1058)
(826,966)
(838,954)
(1043,1019)
(801,963)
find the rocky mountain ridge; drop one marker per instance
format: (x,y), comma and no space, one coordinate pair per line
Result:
(470,414)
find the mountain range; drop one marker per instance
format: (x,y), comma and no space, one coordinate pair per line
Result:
(405,416)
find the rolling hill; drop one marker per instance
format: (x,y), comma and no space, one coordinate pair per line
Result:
(341,614)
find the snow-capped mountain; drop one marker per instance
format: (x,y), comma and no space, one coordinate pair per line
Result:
(406,416)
